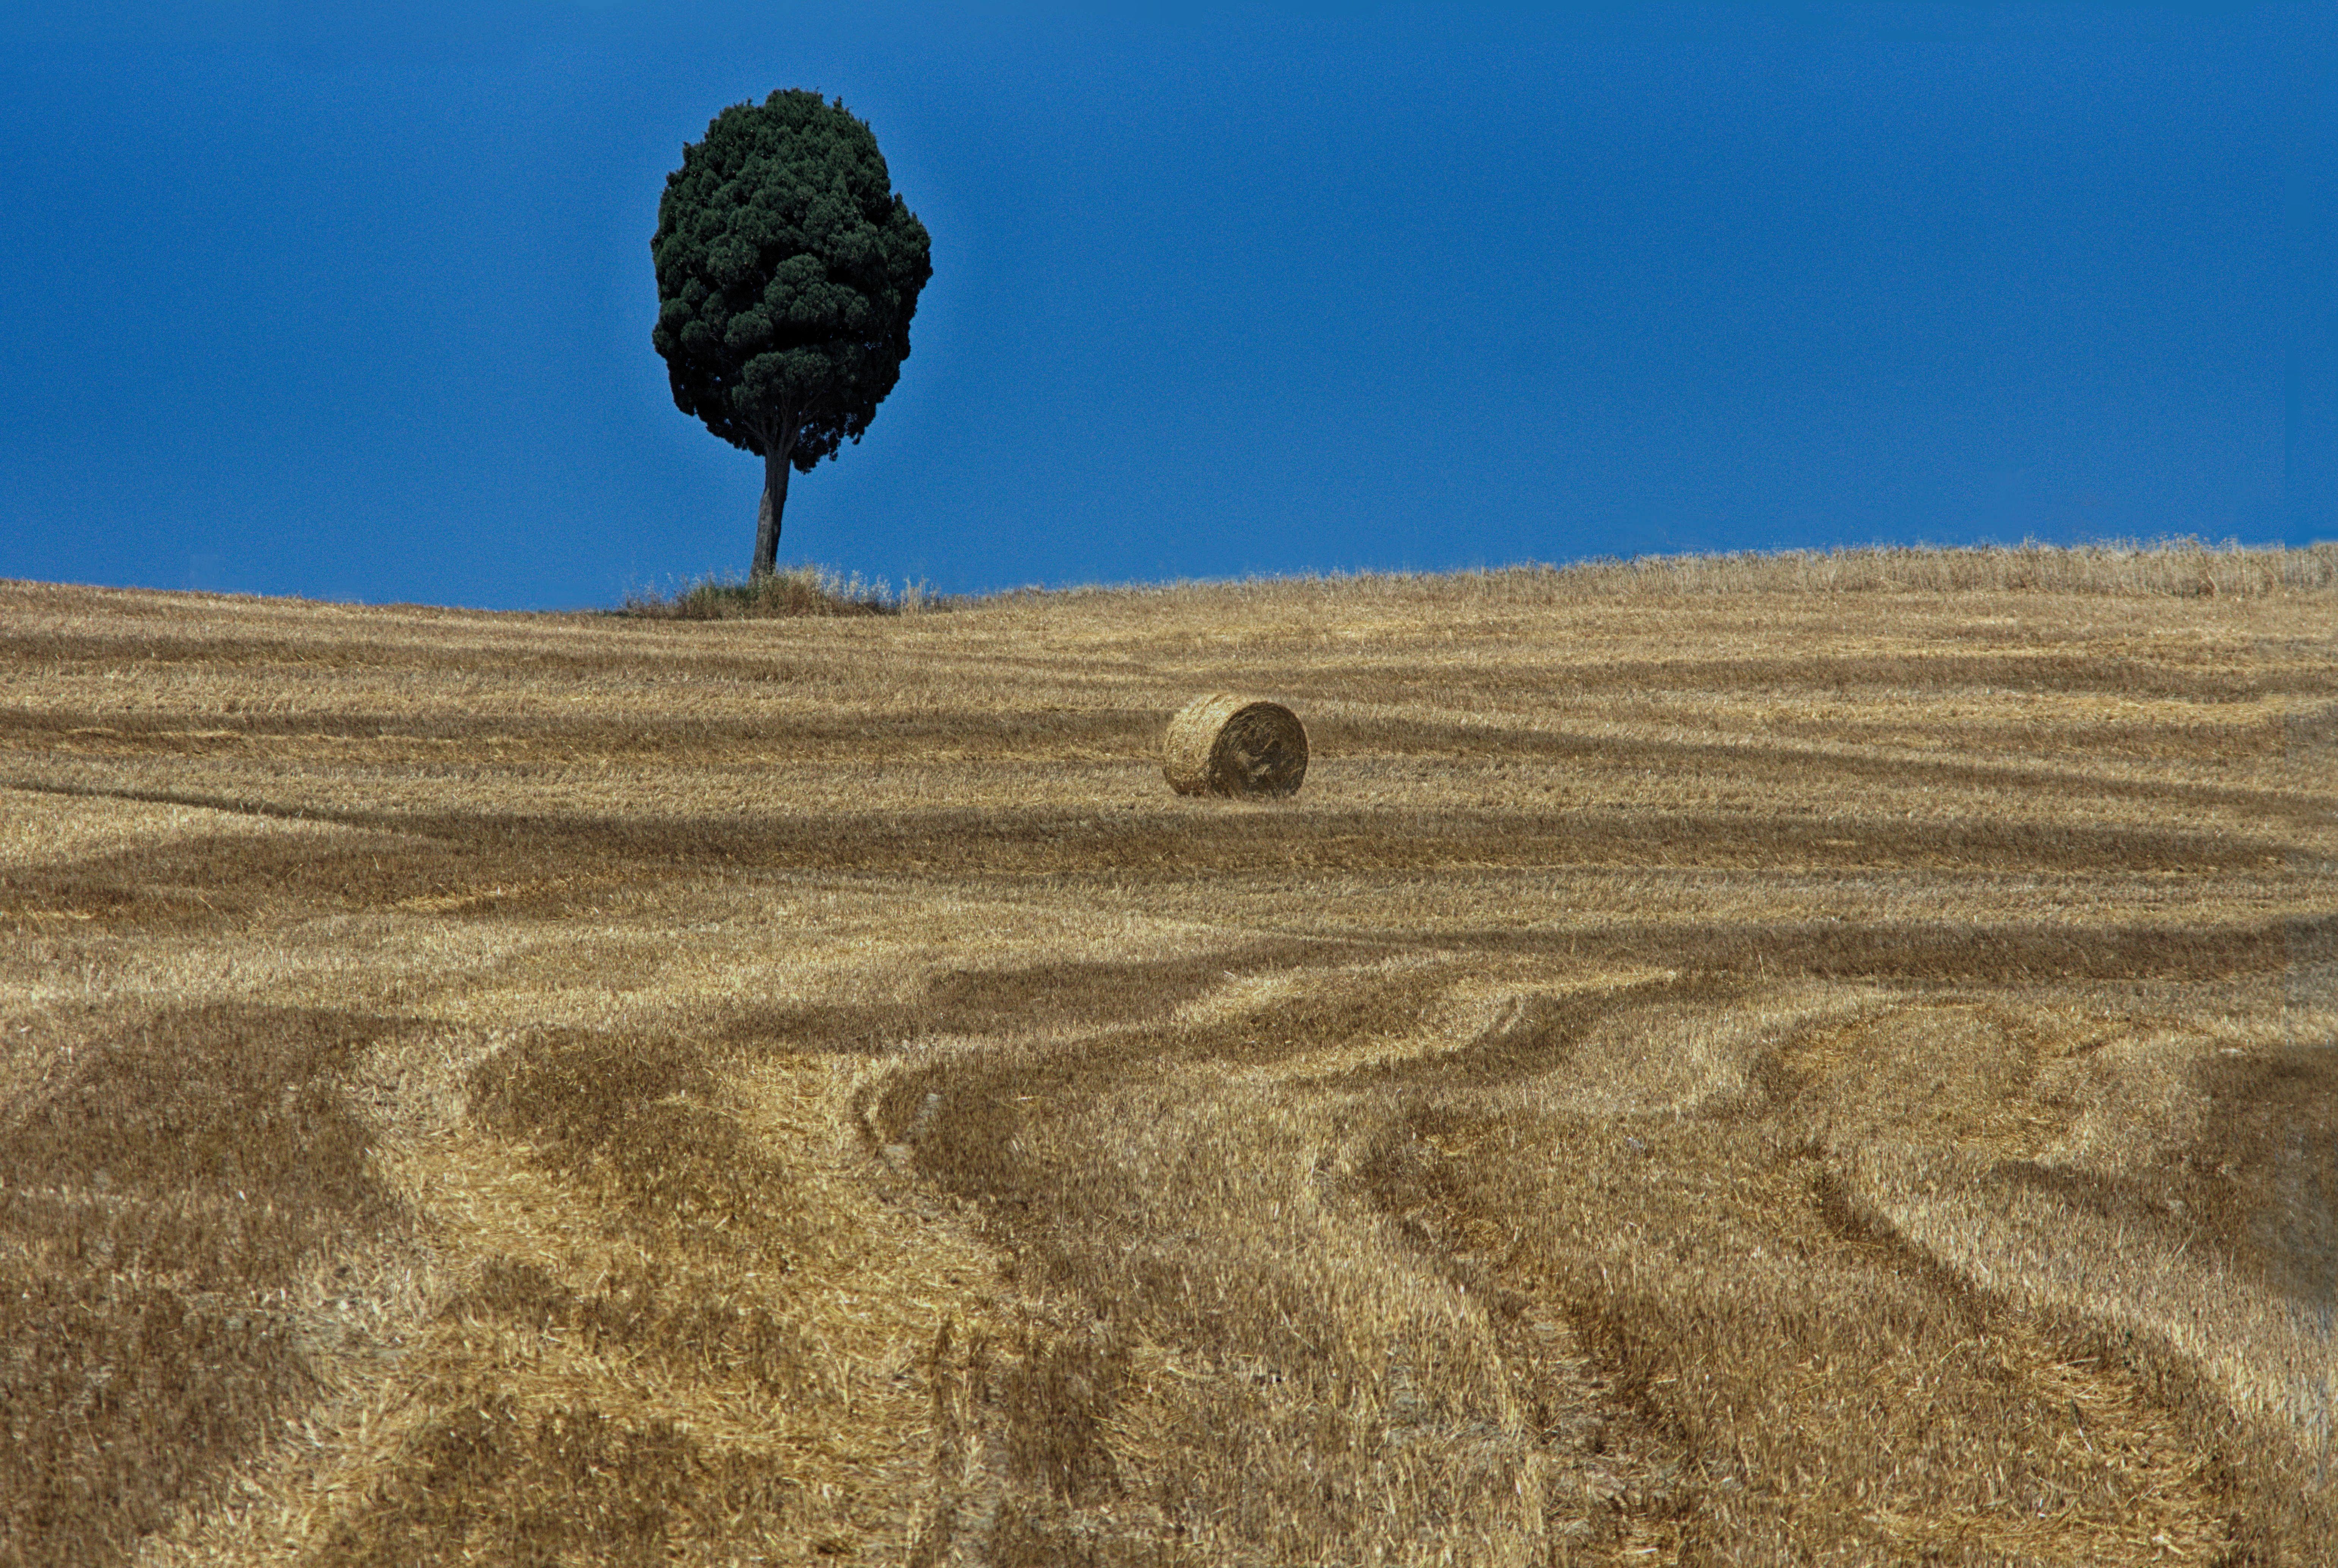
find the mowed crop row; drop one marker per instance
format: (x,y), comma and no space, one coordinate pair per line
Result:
(1813,1060)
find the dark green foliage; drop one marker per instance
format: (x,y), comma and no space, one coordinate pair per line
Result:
(787,271)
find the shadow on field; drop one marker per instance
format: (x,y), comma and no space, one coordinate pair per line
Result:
(157,1193)
(1465,1277)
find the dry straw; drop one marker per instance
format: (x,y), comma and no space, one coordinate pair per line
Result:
(1227,745)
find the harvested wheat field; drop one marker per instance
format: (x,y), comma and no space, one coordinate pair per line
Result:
(1806,1060)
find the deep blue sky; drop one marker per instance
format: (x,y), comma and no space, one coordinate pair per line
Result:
(358,305)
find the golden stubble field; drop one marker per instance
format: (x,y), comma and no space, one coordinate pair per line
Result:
(1811,1061)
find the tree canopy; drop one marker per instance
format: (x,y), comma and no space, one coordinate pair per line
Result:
(787,271)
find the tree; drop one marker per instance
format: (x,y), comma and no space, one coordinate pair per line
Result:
(787,270)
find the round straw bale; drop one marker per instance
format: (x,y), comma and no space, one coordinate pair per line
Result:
(1225,745)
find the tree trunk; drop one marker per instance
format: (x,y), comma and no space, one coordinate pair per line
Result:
(775,501)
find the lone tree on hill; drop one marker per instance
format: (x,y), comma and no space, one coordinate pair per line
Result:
(787,274)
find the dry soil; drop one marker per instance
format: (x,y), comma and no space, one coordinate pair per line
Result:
(1812,1061)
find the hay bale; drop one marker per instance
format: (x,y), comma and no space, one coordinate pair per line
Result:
(1225,745)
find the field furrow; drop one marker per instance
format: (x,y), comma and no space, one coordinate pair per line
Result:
(1797,1067)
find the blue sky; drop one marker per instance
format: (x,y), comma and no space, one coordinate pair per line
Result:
(356,304)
